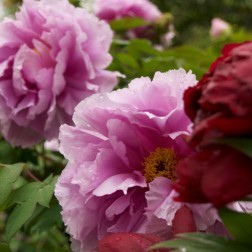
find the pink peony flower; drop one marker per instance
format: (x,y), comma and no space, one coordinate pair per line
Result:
(115,9)
(52,56)
(122,155)
(219,27)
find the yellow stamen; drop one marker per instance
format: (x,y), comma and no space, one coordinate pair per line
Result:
(37,51)
(161,162)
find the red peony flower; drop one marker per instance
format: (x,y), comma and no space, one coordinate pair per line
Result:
(216,174)
(183,221)
(128,242)
(220,104)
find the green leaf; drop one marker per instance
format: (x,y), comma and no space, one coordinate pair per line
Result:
(137,47)
(127,23)
(239,224)
(26,199)
(8,175)
(190,58)
(45,192)
(4,247)
(198,242)
(7,153)
(45,218)
(151,65)
(19,216)
(23,193)
(241,144)
(127,60)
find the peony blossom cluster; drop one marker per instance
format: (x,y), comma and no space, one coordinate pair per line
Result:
(220,106)
(122,153)
(52,55)
(115,9)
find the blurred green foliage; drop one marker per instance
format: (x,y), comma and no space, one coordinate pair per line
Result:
(138,57)
(192,18)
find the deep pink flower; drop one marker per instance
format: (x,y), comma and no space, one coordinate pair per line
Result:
(115,9)
(122,155)
(51,57)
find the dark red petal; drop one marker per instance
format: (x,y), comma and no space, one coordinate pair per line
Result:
(215,127)
(125,242)
(227,49)
(191,97)
(218,174)
(189,172)
(183,221)
(228,177)
(220,105)
(232,126)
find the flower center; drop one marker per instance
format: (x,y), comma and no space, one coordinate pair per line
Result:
(161,162)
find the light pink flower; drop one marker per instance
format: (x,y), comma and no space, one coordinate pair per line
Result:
(218,27)
(115,9)
(52,145)
(52,55)
(168,37)
(241,206)
(109,184)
